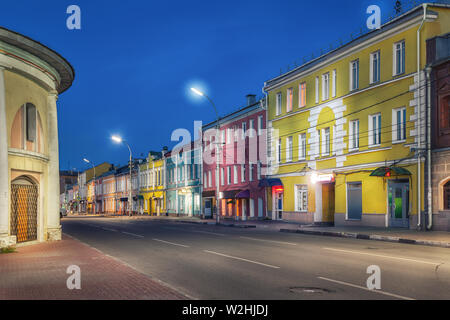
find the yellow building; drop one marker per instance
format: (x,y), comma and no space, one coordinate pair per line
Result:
(344,128)
(152,189)
(31,78)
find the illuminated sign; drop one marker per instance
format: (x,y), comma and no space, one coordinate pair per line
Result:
(277,189)
(322,178)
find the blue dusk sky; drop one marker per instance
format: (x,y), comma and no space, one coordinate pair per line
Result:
(135,61)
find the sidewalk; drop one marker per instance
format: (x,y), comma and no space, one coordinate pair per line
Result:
(429,238)
(38,272)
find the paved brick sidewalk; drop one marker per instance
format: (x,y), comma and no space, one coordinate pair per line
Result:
(39,272)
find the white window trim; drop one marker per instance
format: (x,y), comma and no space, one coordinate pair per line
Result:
(301,138)
(317,89)
(350,140)
(300,92)
(352,81)
(334,83)
(297,189)
(289,101)
(372,55)
(371,131)
(325,86)
(394,57)
(395,139)
(289,147)
(279,101)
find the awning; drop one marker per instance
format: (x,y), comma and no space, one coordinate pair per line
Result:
(270,183)
(244,194)
(390,171)
(208,194)
(230,194)
(124,199)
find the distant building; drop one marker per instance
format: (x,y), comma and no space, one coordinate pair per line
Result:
(31,78)
(67,178)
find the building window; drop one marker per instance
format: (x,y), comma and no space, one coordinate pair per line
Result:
(290,98)
(302,95)
(222,178)
(326,144)
(354,75)
(209,179)
(278,103)
(375,67)
(223,136)
(30,122)
(301,200)
(375,129)
(258,170)
(317,89)
(354,135)
(244,129)
(334,84)
(242,172)
(288,149)
(399,58)
(325,86)
(229,135)
(398,124)
(236,133)
(447,196)
(235,176)
(444,115)
(279,150)
(229,175)
(302,146)
(250,173)
(260,125)
(318,144)
(251,128)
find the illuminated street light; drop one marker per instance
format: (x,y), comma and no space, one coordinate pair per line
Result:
(200,93)
(95,197)
(119,139)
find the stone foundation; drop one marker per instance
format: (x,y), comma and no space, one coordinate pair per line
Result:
(7,241)
(54,234)
(367,220)
(300,217)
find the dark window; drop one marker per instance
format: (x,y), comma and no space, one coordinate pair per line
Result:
(31,122)
(354,200)
(444,115)
(447,196)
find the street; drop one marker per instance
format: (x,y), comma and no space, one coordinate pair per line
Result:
(217,262)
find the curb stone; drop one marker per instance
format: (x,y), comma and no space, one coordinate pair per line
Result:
(374,237)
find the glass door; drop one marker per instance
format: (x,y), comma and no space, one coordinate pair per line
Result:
(398,202)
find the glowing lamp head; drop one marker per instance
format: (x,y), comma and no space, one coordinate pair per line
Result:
(86,160)
(314,178)
(197,92)
(116,139)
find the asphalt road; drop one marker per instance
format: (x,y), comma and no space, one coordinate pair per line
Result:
(211,262)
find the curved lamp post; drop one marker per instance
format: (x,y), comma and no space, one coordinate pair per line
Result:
(118,139)
(95,198)
(200,93)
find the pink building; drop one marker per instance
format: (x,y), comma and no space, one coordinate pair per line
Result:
(243,155)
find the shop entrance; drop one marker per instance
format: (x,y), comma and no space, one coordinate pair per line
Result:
(398,204)
(24,203)
(328,203)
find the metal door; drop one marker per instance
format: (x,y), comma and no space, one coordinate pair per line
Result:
(398,203)
(24,200)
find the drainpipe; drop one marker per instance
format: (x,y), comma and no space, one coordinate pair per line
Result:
(419,143)
(430,191)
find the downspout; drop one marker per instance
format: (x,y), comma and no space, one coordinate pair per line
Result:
(430,191)
(419,113)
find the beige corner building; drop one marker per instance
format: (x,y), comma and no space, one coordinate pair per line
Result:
(31,78)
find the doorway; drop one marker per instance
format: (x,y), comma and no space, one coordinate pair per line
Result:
(328,203)
(24,204)
(398,204)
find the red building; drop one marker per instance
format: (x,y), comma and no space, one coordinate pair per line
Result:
(242,144)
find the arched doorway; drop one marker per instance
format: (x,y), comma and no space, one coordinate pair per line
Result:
(24,204)
(446,195)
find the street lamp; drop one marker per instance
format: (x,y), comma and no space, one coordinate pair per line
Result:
(118,139)
(202,94)
(95,197)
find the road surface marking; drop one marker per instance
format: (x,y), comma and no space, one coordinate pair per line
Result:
(206,232)
(382,256)
(132,234)
(364,288)
(264,240)
(196,231)
(108,229)
(172,243)
(242,259)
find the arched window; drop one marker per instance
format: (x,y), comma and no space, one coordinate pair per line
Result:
(447,196)
(26,131)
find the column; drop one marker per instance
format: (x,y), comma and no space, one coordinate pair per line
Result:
(5,239)
(53,221)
